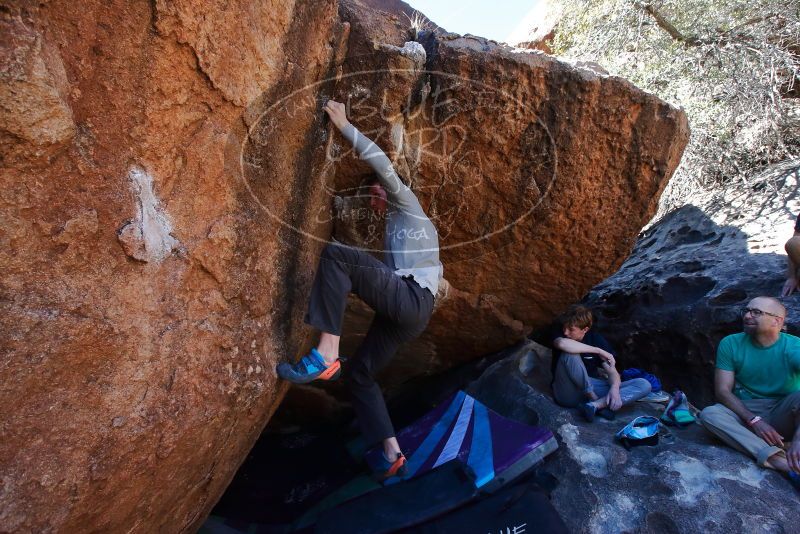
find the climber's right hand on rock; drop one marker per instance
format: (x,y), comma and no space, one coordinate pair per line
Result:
(337,112)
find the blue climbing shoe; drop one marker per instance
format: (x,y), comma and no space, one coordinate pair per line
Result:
(311,367)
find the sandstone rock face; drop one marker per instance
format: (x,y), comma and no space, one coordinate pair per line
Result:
(35,116)
(691,273)
(166,188)
(692,484)
(145,296)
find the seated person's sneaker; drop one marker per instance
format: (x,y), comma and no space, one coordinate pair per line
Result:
(587,410)
(311,367)
(677,412)
(606,413)
(398,468)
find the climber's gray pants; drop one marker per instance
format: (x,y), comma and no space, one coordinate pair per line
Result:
(402,310)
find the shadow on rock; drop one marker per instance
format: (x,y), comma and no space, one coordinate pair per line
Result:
(688,277)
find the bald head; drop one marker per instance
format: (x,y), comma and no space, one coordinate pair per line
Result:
(769,305)
(763,319)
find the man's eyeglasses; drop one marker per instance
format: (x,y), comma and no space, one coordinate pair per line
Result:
(755,312)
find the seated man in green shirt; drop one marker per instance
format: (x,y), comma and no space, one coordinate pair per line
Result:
(757,381)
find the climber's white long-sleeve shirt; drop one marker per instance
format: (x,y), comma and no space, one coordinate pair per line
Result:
(411,242)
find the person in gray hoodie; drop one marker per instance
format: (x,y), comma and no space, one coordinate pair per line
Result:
(401,290)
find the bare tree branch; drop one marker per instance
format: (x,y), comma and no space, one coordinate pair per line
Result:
(693,40)
(750,22)
(665,25)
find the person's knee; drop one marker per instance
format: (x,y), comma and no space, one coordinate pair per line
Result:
(569,359)
(710,414)
(792,247)
(572,363)
(643,385)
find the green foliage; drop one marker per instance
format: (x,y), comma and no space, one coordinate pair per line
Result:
(733,66)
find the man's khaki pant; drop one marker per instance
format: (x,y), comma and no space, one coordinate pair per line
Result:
(782,414)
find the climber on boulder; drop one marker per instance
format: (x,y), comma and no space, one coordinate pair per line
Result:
(401,291)
(757,383)
(792,261)
(583,368)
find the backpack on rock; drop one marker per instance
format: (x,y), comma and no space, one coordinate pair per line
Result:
(641,431)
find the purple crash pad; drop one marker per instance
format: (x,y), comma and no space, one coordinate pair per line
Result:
(497,449)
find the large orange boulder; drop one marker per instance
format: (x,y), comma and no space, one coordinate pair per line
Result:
(538,175)
(166,186)
(145,296)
